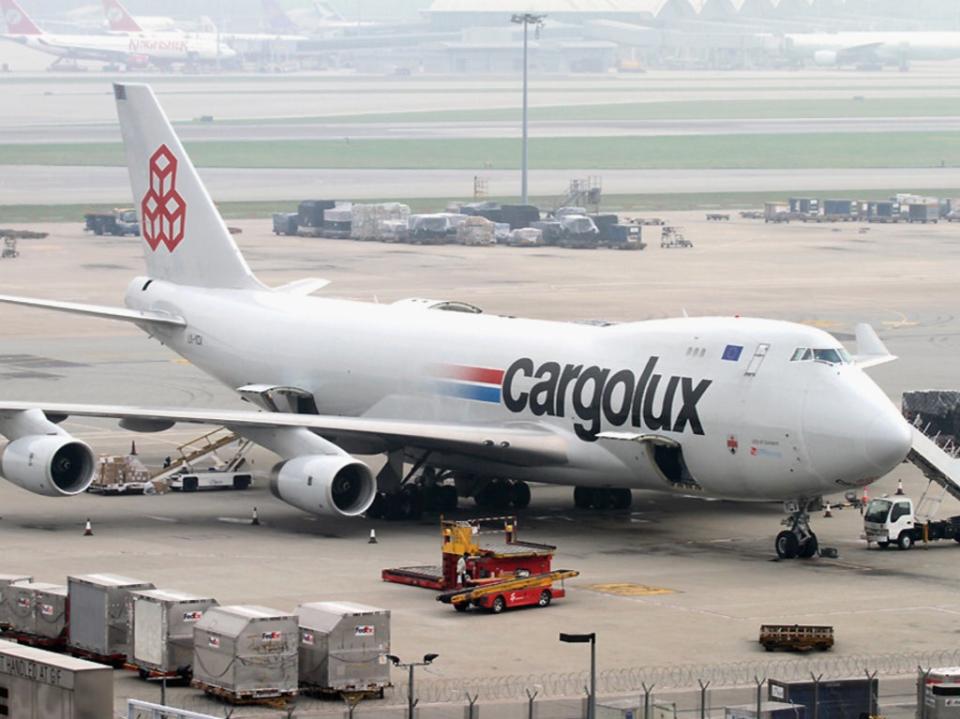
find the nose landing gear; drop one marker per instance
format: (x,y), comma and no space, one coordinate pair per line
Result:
(798,540)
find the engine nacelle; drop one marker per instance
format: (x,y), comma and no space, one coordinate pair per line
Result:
(335,484)
(54,465)
(825,58)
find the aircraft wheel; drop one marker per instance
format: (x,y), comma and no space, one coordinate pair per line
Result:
(413,505)
(520,495)
(787,545)
(603,498)
(431,498)
(484,498)
(500,492)
(582,497)
(622,498)
(809,550)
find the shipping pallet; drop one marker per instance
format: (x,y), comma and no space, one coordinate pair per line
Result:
(56,644)
(315,690)
(117,661)
(279,700)
(150,675)
(426,577)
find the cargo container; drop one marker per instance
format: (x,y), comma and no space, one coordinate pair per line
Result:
(476,230)
(923,212)
(841,210)
(835,698)
(337,222)
(100,612)
(243,653)
(803,206)
(310,213)
(162,630)
(286,223)
(526,237)
(380,221)
(40,613)
(5,596)
(768,710)
(501,233)
(578,232)
(887,211)
(343,647)
(519,216)
(775,212)
(938,693)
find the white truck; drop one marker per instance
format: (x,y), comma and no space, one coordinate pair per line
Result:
(892,520)
(195,481)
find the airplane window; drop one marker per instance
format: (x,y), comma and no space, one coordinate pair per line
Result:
(802,354)
(832,356)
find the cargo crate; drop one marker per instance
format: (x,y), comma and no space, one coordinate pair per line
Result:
(343,647)
(100,609)
(244,653)
(5,581)
(162,630)
(39,611)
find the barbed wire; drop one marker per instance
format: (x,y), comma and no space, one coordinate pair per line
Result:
(559,685)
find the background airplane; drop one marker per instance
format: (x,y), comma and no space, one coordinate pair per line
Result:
(139,49)
(873,48)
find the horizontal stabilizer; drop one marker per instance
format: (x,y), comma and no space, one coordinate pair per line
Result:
(870,348)
(303,287)
(102,311)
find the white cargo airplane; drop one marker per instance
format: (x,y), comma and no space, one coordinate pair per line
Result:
(159,48)
(723,407)
(874,48)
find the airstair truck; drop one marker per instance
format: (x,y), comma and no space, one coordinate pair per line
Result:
(893,520)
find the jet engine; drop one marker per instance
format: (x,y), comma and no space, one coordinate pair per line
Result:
(334,484)
(825,58)
(54,465)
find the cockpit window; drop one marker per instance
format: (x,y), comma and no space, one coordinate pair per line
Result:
(831,355)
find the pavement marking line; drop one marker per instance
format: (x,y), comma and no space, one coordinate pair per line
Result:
(629,590)
(172,520)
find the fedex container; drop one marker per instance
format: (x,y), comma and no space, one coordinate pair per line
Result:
(5,609)
(100,612)
(162,629)
(39,609)
(343,647)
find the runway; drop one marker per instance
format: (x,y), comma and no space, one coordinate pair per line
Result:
(55,185)
(333,130)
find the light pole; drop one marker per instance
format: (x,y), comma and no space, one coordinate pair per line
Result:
(410,666)
(592,640)
(525,19)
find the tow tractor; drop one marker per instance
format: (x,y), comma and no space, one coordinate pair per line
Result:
(500,574)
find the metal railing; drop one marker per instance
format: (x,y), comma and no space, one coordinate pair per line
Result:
(137,709)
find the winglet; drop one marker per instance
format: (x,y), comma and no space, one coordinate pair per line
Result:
(870,348)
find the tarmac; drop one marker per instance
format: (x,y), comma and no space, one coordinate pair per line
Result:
(698,577)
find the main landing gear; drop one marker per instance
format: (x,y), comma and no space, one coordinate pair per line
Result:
(602,498)
(798,540)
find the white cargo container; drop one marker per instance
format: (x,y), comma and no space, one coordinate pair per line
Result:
(378,221)
(5,581)
(100,614)
(343,647)
(476,231)
(39,611)
(162,630)
(242,653)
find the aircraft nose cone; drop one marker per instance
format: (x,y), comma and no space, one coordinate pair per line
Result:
(887,442)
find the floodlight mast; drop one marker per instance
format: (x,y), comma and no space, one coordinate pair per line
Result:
(525,19)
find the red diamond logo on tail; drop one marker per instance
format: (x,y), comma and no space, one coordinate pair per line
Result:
(162,210)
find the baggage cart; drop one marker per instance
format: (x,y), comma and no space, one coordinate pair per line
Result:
(286,223)
(797,637)
(100,612)
(246,654)
(343,648)
(162,629)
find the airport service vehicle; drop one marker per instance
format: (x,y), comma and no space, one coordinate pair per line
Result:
(118,222)
(796,637)
(10,250)
(892,520)
(498,595)
(196,481)
(719,407)
(133,50)
(672,237)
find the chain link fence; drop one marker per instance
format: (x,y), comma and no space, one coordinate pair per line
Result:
(560,695)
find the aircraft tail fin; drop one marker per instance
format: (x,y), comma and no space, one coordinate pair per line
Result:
(17,21)
(185,241)
(277,18)
(119,18)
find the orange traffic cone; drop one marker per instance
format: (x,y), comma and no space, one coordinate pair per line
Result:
(373,537)
(256,518)
(826,512)
(900,487)
(88,529)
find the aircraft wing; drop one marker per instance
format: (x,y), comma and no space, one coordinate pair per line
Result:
(519,443)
